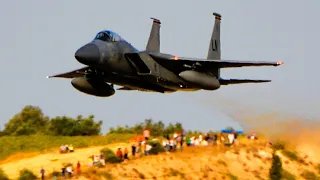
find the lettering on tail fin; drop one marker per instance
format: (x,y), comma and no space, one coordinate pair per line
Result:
(214,45)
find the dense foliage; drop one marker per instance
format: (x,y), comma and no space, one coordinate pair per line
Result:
(31,120)
(80,126)
(157,128)
(110,156)
(156,147)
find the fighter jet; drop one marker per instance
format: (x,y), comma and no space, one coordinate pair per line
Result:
(111,60)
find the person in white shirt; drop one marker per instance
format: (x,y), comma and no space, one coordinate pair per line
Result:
(69,170)
(196,142)
(148,148)
(231,138)
(175,135)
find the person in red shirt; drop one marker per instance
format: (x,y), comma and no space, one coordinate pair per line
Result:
(78,168)
(119,153)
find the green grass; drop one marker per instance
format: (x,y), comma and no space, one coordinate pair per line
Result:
(10,145)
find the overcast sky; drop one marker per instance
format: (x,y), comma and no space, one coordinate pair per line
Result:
(39,38)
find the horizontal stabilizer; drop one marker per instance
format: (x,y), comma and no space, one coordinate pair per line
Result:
(241,81)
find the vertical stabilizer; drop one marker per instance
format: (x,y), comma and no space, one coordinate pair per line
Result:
(214,51)
(154,38)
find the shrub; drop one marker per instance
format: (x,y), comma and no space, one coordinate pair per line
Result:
(55,173)
(26,174)
(174,172)
(110,156)
(99,165)
(309,175)
(275,172)
(291,155)
(279,145)
(3,175)
(232,177)
(156,147)
(106,175)
(287,175)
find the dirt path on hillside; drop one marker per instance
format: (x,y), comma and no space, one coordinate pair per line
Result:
(54,161)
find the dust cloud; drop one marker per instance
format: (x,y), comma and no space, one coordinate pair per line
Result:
(297,132)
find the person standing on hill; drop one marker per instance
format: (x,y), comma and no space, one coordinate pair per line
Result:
(63,172)
(125,152)
(102,159)
(146,134)
(133,150)
(235,136)
(119,153)
(78,168)
(42,171)
(183,133)
(167,137)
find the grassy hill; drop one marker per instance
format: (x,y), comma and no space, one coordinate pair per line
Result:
(14,147)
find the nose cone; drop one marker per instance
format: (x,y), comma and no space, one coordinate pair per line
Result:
(88,54)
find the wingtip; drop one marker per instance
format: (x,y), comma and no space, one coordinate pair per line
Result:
(280,63)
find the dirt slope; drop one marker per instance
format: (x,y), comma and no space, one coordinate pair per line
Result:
(246,161)
(53,161)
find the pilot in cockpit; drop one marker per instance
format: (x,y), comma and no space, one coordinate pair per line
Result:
(108,36)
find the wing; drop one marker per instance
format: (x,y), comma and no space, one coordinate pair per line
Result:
(240,81)
(169,60)
(125,89)
(230,63)
(71,74)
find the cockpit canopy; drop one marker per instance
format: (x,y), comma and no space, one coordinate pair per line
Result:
(108,36)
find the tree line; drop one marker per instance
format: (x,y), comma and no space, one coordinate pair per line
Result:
(31,120)
(157,128)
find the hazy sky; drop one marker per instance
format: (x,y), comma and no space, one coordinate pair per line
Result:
(39,38)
